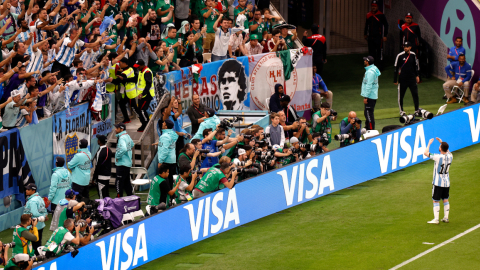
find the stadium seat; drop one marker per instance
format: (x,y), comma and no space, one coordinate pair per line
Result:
(127,217)
(458,91)
(40,250)
(147,208)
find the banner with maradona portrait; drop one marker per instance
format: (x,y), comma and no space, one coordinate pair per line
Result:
(268,70)
(221,85)
(69,129)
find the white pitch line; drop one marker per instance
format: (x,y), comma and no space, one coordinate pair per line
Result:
(436,247)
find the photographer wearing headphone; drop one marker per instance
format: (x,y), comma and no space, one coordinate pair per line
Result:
(66,209)
(23,237)
(185,189)
(351,126)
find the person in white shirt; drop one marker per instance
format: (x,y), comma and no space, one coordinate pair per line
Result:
(441,180)
(222,37)
(184,189)
(253,47)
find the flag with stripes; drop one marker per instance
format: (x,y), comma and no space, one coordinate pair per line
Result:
(101,90)
(67,99)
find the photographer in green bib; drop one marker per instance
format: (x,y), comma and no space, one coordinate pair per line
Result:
(321,121)
(160,190)
(350,127)
(185,187)
(62,237)
(214,177)
(24,234)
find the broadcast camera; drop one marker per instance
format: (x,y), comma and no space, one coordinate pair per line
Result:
(90,210)
(228,123)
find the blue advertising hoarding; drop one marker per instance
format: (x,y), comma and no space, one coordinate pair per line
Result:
(154,237)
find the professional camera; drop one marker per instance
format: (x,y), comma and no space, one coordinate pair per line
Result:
(295,150)
(308,147)
(246,171)
(333,112)
(22,259)
(342,137)
(424,114)
(196,171)
(407,118)
(9,245)
(72,250)
(158,208)
(228,123)
(39,219)
(203,151)
(358,121)
(266,135)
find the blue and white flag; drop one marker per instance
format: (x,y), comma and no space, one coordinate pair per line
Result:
(67,99)
(107,22)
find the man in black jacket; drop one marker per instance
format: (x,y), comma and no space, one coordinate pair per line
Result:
(376,31)
(103,167)
(406,69)
(411,32)
(319,45)
(196,113)
(274,103)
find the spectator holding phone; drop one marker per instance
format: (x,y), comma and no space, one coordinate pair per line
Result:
(176,116)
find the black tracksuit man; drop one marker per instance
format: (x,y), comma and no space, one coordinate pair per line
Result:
(376,28)
(103,170)
(406,70)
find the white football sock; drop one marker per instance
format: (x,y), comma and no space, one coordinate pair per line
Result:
(446,209)
(436,210)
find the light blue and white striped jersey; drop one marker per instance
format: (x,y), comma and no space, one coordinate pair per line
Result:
(89,58)
(21,120)
(23,37)
(441,177)
(66,54)
(17,10)
(36,63)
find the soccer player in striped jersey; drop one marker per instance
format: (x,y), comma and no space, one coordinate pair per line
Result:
(36,57)
(441,180)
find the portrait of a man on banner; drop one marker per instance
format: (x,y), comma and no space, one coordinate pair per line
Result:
(232,82)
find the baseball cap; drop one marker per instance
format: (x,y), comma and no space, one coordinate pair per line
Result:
(241,151)
(369,59)
(293,140)
(102,138)
(31,186)
(169,124)
(409,15)
(285,98)
(407,44)
(210,112)
(253,36)
(70,193)
(139,62)
(15,93)
(121,125)
(374,3)
(83,143)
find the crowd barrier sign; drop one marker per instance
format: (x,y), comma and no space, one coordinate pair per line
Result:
(183,225)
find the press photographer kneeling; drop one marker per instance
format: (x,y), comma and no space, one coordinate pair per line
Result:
(245,163)
(160,190)
(214,177)
(62,238)
(350,130)
(186,182)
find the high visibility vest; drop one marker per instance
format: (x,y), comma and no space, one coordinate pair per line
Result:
(142,83)
(130,87)
(111,72)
